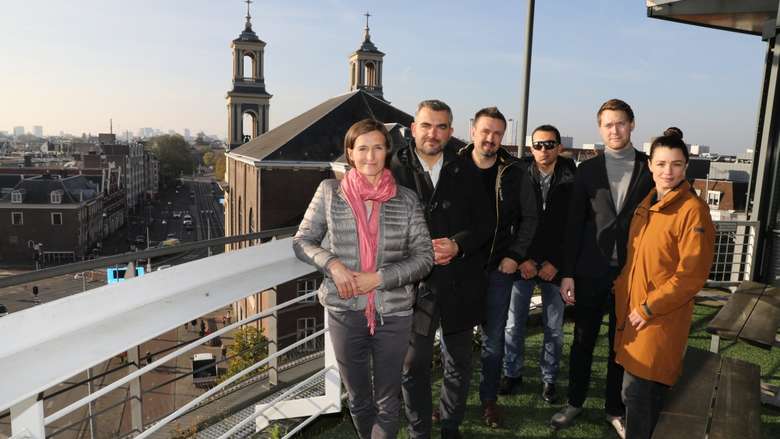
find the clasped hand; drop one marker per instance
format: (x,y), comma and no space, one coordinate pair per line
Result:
(444,249)
(352,283)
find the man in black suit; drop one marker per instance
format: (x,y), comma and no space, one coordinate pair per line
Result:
(607,189)
(452,295)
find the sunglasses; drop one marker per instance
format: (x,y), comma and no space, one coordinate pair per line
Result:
(544,144)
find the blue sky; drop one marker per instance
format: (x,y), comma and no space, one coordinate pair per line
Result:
(71,66)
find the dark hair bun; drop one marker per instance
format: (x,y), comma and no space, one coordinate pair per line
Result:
(674,132)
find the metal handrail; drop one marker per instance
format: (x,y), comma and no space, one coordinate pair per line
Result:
(122,381)
(121,258)
(291,391)
(186,407)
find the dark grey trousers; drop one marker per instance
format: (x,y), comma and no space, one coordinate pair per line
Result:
(644,400)
(456,359)
(364,359)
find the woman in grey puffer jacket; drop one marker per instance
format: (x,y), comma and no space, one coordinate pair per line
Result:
(369,237)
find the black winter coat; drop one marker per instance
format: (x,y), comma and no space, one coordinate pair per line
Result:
(594,227)
(453,209)
(515,216)
(548,242)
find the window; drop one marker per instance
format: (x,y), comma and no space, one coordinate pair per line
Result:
(306,327)
(306,286)
(56,197)
(56,218)
(16,197)
(17,219)
(713,198)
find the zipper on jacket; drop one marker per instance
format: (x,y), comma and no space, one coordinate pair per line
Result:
(499,197)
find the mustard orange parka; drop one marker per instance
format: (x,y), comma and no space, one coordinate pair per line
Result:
(670,249)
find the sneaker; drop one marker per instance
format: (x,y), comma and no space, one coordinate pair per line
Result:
(619,424)
(565,417)
(491,414)
(510,385)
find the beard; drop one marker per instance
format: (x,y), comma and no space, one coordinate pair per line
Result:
(487,152)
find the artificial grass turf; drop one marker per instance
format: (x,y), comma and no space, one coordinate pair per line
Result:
(527,416)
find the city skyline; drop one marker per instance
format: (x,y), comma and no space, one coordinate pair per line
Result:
(161,65)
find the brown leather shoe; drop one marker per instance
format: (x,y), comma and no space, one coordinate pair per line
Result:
(491,413)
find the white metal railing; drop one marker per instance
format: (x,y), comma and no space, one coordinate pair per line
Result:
(735,252)
(43,346)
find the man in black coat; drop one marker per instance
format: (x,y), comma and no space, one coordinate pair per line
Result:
(553,179)
(507,186)
(451,296)
(607,189)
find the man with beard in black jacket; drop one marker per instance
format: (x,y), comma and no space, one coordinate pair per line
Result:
(507,185)
(451,296)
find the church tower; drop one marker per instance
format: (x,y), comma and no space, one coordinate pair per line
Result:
(365,66)
(248,101)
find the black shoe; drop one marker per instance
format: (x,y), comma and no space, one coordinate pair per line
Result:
(548,393)
(510,386)
(447,433)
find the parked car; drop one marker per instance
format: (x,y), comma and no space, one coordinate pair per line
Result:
(170,236)
(187,217)
(140,240)
(177,213)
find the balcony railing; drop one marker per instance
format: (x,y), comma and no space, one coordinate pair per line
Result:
(735,252)
(44,346)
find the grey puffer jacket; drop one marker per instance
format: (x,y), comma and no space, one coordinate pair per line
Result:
(404,251)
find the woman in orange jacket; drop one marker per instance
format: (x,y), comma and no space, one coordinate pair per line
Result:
(670,249)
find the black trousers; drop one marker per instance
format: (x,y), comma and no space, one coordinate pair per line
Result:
(416,384)
(593,296)
(644,400)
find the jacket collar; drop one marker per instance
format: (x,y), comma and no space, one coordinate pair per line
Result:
(670,198)
(408,157)
(504,158)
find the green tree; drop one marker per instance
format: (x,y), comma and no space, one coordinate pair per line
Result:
(219,167)
(249,347)
(174,155)
(208,158)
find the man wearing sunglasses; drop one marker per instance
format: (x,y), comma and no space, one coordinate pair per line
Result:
(607,189)
(553,179)
(507,186)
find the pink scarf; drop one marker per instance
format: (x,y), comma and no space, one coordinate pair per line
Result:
(358,190)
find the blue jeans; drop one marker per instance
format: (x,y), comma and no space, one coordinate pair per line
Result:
(552,321)
(499,293)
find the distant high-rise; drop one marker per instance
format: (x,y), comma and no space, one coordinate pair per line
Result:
(18,131)
(37,131)
(187,134)
(248,97)
(365,66)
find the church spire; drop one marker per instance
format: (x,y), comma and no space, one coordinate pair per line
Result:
(248,26)
(365,65)
(366,35)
